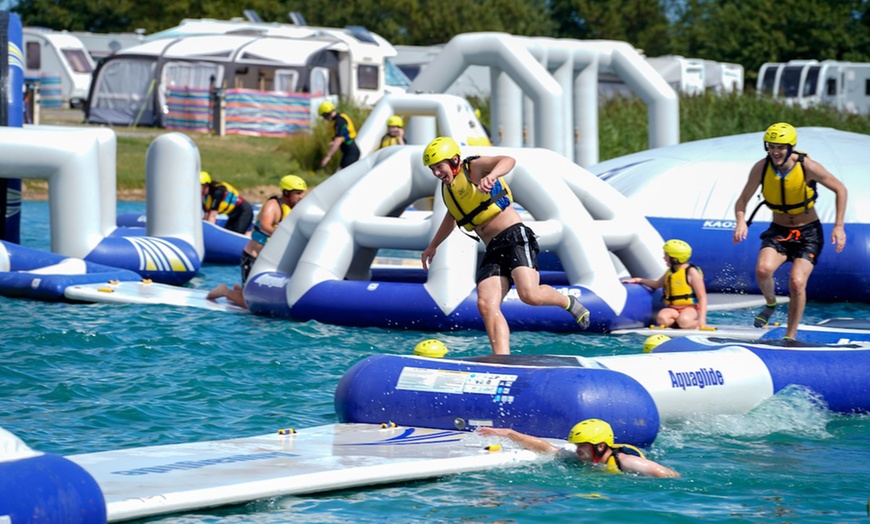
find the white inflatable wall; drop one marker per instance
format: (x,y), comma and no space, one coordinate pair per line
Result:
(80,167)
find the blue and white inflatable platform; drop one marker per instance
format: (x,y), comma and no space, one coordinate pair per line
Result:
(318,264)
(79,166)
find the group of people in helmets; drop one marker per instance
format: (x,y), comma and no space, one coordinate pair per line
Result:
(478,199)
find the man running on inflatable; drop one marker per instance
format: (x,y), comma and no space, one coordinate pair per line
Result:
(788,185)
(478,199)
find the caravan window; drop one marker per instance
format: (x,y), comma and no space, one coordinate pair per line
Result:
(286,80)
(789,82)
(78,61)
(768,80)
(367,77)
(831,87)
(196,75)
(811,83)
(34,58)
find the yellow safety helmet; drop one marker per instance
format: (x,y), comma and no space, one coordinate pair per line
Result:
(653,341)
(678,250)
(204,178)
(395,121)
(592,431)
(442,148)
(293,183)
(430,348)
(780,133)
(325,108)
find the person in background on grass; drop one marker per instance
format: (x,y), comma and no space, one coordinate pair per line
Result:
(478,199)
(788,180)
(273,211)
(395,132)
(222,198)
(343,136)
(685,294)
(591,442)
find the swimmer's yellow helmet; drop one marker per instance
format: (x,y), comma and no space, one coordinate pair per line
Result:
(592,431)
(293,183)
(653,342)
(780,133)
(204,178)
(395,121)
(430,348)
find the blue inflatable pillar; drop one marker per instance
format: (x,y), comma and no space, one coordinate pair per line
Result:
(11,114)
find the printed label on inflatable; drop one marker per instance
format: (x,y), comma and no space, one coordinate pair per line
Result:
(454,382)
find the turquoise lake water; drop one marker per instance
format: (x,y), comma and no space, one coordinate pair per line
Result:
(83,378)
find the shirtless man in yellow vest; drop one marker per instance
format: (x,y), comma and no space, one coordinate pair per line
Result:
(788,185)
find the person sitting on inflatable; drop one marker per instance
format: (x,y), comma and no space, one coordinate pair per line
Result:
(478,199)
(685,294)
(222,198)
(395,132)
(590,441)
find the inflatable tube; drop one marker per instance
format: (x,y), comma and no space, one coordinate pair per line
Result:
(720,167)
(836,372)
(318,264)
(545,399)
(41,487)
(79,165)
(31,273)
(221,246)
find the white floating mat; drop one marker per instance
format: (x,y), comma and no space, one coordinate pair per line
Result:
(142,482)
(144,292)
(717,302)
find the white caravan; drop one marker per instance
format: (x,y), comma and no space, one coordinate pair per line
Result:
(129,87)
(58,54)
(844,86)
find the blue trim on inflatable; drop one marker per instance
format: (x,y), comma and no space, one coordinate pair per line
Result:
(456,394)
(20,283)
(402,305)
(836,372)
(165,260)
(49,488)
(730,268)
(221,245)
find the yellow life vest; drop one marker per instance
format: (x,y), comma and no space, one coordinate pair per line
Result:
(230,199)
(388,141)
(350,131)
(612,465)
(678,292)
(790,193)
(468,205)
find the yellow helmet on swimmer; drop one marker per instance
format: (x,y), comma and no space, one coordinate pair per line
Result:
(442,148)
(678,250)
(204,178)
(430,348)
(325,108)
(780,133)
(395,121)
(293,183)
(653,341)
(591,431)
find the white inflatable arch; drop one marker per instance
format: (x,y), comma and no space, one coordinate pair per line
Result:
(335,232)
(560,76)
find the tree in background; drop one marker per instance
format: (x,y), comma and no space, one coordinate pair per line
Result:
(752,32)
(641,23)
